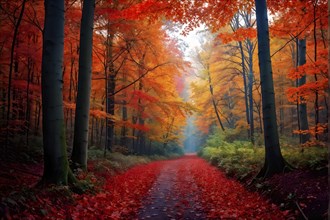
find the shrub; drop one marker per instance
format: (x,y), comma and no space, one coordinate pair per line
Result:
(231,135)
(314,158)
(241,159)
(114,162)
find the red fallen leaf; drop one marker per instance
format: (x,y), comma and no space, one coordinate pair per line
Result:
(179,213)
(286,212)
(101,195)
(115,215)
(123,194)
(184,202)
(90,209)
(224,198)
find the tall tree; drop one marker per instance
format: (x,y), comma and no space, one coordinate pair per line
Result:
(213,99)
(247,71)
(329,83)
(80,141)
(274,161)
(204,58)
(54,142)
(302,103)
(14,42)
(328,98)
(110,89)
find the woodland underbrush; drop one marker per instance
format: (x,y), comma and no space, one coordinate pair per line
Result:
(300,190)
(117,162)
(241,159)
(20,194)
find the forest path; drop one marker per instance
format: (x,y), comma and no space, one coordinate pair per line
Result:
(174,195)
(189,188)
(184,188)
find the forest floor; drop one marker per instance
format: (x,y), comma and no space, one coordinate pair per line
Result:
(184,188)
(304,192)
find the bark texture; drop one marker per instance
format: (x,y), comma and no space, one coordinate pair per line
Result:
(80,141)
(274,162)
(302,105)
(55,156)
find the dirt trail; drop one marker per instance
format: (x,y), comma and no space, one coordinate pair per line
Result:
(189,188)
(174,195)
(185,188)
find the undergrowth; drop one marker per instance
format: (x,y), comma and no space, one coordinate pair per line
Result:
(100,168)
(117,162)
(35,201)
(241,159)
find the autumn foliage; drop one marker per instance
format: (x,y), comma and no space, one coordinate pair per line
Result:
(231,56)
(234,200)
(145,86)
(121,196)
(144,63)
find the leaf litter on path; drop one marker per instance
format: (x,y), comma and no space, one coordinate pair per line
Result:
(189,188)
(184,188)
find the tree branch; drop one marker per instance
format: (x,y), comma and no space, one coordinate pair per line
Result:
(294,37)
(139,78)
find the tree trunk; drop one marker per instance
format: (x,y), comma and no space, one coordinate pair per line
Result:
(303,122)
(134,141)
(213,100)
(110,89)
(235,25)
(274,161)
(55,155)
(245,86)
(123,132)
(102,122)
(328,99)
(295,58)
(17,24)
(316,103)
(81,125)
(141,134)
(69,111)
(111,84)
(250,89)
(92,132)
(141,138)
(37,117)
(282,118)
(28,104)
